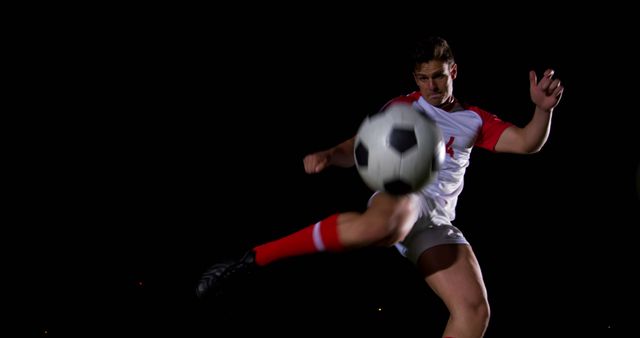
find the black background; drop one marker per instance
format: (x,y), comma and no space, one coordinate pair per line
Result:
(150,144)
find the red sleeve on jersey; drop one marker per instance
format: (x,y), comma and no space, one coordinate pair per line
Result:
(492,128)
(409,98)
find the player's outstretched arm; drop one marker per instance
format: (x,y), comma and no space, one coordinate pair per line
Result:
(340,155)
(546,95)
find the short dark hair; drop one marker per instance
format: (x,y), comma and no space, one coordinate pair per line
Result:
(432,48)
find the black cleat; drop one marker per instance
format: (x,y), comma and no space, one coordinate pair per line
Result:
(219,275)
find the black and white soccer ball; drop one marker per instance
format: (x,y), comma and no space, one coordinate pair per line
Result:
(398,150)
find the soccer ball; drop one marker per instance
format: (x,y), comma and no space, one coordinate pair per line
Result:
(398,150)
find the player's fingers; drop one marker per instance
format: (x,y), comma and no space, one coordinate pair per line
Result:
(314,163)
(558,92)
(546,79)
(533,79)
(309,163)
(320,165)
(553,86)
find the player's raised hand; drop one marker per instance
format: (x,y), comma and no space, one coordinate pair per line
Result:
(547,93)
(316,162)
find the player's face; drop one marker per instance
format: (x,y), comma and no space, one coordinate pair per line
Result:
(435,81)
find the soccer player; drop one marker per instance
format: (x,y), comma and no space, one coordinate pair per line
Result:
(419,223)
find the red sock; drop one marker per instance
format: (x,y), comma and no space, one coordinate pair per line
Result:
(322,236)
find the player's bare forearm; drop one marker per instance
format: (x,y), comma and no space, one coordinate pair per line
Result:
(342,154)
(536,132)
(528,139)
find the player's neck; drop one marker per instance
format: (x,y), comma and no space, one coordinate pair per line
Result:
(449,105)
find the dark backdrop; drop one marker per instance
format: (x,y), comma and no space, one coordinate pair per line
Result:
(162,143)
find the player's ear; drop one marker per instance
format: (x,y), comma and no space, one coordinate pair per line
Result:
(453,70)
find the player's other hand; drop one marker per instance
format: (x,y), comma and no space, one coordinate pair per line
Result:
(546,93)
(316,162)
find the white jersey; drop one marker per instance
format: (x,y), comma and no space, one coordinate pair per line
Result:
(462,128)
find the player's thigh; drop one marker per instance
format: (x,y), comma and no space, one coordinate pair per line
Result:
(453,272)
(383,205)
(387,219)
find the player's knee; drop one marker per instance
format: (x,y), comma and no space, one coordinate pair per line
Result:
(390,225)
(482,311)
(387,220)
(476,310)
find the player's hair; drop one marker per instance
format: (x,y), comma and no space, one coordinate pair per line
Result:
(432,48)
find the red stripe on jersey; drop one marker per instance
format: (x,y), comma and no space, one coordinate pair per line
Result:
(492,128)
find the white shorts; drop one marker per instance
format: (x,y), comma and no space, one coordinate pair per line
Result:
(425,235)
